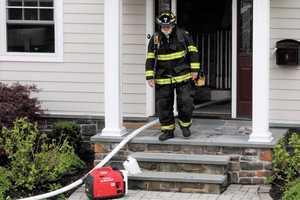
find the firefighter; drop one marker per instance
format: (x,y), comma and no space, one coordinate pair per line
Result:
(172,64)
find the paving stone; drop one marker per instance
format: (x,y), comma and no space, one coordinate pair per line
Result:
(268,166)
(234,192)
(250,152)
(181,167)
(264,189)
(233,177)
(266,155)
(234,166)
(137,147)
(248,174)
(249,158)
(225,197)
(181,158)
(234,187)
(251,166)
(259,181)
(265,197)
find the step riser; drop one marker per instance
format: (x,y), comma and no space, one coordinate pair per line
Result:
(184,167)
(176,187)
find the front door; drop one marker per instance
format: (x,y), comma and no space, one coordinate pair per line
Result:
(244,59)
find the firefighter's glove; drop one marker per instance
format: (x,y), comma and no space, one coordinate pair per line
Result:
(200,81)
(151,82)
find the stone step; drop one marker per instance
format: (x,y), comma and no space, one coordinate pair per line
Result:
(182,158)
(178,182)
(168,162)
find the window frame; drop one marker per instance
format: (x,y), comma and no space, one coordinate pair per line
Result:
(57,56)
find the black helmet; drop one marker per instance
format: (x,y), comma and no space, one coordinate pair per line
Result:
(166,18)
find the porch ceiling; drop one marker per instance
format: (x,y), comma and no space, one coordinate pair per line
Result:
(205,132)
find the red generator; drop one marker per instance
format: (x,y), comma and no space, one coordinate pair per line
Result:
(106,183)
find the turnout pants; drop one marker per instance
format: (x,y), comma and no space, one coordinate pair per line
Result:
(164,98)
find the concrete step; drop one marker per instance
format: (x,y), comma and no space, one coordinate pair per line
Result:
(178,182)
(168,162)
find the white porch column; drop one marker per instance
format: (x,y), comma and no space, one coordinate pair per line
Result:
(261,71)
(112,100)
(150,92)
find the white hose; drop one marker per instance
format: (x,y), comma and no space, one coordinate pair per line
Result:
(102,163)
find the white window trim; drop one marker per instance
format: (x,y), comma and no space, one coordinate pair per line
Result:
(34,57)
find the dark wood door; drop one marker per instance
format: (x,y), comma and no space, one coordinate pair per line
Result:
(244,56)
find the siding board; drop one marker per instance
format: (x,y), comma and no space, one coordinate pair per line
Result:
(285,95)
(285,81)
(52,67)
(63,88)
(82,8)
(84,48)
(54,76)
(83,18)
(286,4)
(87,28)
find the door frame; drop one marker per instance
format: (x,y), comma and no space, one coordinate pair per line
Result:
(150,27)
(234,59)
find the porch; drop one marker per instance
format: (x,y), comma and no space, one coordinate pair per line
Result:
(216,155)
(205,132)
(260,74)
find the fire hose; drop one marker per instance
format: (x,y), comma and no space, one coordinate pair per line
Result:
(101,164)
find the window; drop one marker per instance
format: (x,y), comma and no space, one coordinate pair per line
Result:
(32,28)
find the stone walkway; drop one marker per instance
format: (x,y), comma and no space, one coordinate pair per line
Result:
(233,192)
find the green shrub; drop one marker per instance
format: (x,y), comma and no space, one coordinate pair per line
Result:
(293,191)
(286,162)
(16,102)
(33,164)
(66,130)
(5,182)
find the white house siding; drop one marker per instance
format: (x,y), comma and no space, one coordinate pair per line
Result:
(133,57)
(75,86)
(285,81)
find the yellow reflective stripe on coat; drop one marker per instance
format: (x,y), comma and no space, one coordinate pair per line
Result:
(150,55)
(176,79)
(195,65)
(149,73)
(185,124)
(171,56)
(192,48)
(168,127)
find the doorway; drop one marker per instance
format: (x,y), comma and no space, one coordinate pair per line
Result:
(210,24)
(228,85)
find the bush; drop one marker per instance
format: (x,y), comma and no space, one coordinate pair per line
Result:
(5,183)
(66,130)
(293,191)
(33,164)
(16,102)
(286,162)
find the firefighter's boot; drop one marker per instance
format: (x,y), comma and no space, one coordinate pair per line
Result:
(166,135)
(186,132)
